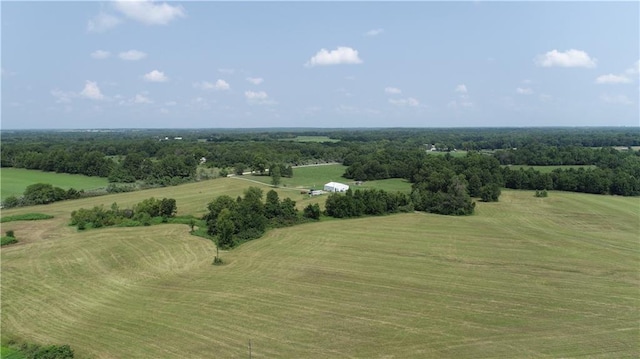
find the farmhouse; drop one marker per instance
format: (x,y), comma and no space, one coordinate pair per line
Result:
(335,187)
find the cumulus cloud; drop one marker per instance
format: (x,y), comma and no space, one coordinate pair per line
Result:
(374,32)
(255,80)
(100,54)
(156,76)
(341,55)
(258,98)
(218,85)
(616,99)
(569,58)
(149,12)
(102,22)
(140,98)
(392,90)
(410,102)
(524,91)
(612,79)
(132,55)
(91,91)
(461,88)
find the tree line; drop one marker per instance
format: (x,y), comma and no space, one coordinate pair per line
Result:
(143,213)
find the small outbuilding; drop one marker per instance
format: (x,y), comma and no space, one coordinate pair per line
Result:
(335,187)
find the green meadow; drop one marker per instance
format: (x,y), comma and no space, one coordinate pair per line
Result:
(314,177)
(524,277)
(15,180)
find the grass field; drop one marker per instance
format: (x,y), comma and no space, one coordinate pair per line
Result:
(308,177)
(316,176)
(548,169)
(15,180)
(525,277)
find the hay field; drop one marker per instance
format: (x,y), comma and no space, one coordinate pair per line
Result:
(525,277)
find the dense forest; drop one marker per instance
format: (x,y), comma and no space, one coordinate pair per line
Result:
(431,159)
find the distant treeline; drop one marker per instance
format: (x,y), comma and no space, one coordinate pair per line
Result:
(167,157)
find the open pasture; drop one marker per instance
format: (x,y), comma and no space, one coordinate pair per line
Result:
(15,180)
(525,277)
(316,176)
(308,176)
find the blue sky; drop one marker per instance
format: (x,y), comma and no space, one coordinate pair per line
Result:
(159,64)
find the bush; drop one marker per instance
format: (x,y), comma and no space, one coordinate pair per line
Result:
(8,240)
(11,201)
(10,233)
(542,193)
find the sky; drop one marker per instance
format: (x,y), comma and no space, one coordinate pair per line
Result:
(155,64)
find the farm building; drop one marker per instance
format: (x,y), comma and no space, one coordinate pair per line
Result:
(335,187)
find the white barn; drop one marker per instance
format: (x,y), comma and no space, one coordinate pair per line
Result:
(335,187)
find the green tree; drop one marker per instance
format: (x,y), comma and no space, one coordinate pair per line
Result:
(490,193)
(312,211)
(276,175)
(225,228)
(272,207)
(168,207)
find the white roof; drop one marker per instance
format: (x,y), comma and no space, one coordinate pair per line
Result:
(336,184)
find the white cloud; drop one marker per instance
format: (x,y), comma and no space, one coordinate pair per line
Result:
(570,58)
(461,88)
(255,80)
(222,85)
(100,54)
(218,85)
(170,103)
(392,90)
(634,70)
(102,22)
(612,79)
(341,55)
(62,97)
(156,76)
(142,99)
(260,95)
(91,91)
(345,92)
(132,55)
(616,99)
(258,98)
(374,32)
(462,103)
(524,91)
(149,12)
(227,71)
(410,101)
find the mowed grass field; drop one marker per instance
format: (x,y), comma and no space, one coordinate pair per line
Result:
(316,176)
(525,277)
(15,180)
